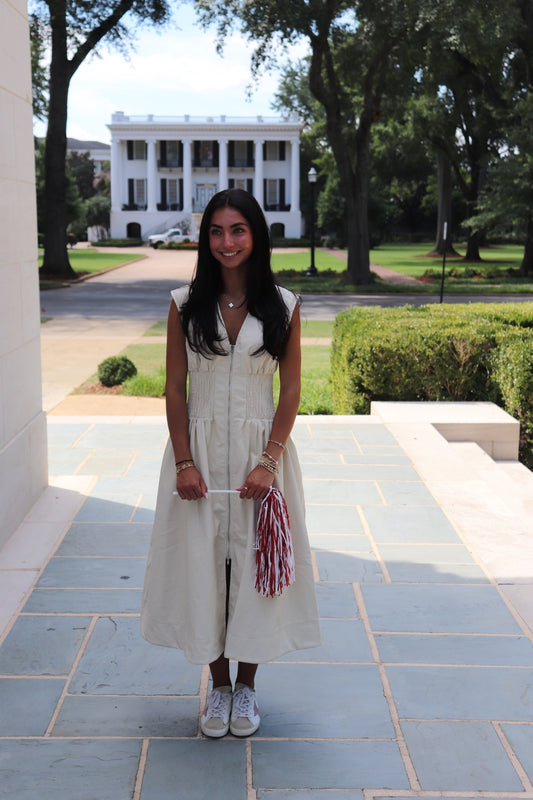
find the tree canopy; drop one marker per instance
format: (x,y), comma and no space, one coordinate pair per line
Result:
(75,29)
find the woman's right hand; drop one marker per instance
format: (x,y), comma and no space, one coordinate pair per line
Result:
(190,485)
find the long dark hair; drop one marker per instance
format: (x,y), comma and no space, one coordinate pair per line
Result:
(200,313)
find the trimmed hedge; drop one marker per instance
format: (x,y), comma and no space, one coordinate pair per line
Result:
(437,352)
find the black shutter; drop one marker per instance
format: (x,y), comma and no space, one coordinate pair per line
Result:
(196,158)
(231,183)
(264,151)
(250,185)
(180,154)
(282,151)
(163,193)
(281,194)
(180,194)
(129,145)
(131,191)
(264,194)
(215,153)
(231,154)
(163,153)
(249,154)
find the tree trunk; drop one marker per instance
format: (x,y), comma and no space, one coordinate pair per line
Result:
(444,213)
(358,236)
(56,260)
(526,267)
(472,247)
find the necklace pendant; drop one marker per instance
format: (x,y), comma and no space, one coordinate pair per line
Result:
(231,305)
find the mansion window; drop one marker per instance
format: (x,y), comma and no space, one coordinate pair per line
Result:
(242,183)
(136,194)
(240,154)
(274,151)
(136,150)
(274,194)
(205,154)
(171,153)
(171,191)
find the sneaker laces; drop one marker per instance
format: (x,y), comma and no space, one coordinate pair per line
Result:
(243,703)
(217,704)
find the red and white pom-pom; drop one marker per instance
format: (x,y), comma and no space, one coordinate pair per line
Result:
(274,556)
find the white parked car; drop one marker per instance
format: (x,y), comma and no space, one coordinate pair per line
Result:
(172,235)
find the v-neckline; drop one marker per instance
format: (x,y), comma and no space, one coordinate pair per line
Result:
(232,344)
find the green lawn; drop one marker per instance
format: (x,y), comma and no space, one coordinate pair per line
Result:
(92,261)
(310,328)
(496,273)
(149,359)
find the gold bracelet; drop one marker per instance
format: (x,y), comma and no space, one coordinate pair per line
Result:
(279,444)
(270,457)
(272,468)
(185,465)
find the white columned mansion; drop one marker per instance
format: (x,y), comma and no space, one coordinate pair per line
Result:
(164,170)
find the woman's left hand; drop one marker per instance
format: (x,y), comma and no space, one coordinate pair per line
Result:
(257,484)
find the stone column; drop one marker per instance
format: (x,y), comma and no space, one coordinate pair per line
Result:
(187,175)
(151,176)
(295,174)
(222,164)
(23,456)
(116,175)
(258,177)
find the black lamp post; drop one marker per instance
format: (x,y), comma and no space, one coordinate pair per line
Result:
(311,177)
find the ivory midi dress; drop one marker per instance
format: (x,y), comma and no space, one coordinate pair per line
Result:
(231,408)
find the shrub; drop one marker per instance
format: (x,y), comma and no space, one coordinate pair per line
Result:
(115,370)
(437,352)
(126,242)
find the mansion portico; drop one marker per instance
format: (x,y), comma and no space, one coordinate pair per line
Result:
(164,170)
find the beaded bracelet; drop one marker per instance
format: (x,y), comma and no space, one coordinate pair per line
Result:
(183,466)
(270,457)
(273,468)
(279,444)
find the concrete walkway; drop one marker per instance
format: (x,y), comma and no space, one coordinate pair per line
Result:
(420,520)
(423,685)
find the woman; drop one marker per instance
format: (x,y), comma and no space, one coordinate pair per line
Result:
(227,334)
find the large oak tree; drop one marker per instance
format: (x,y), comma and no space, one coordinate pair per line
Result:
(360,58)
(76,29)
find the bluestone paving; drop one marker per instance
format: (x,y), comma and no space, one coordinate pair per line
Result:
(50,769)
(520,737)
(491,693)
(423,682)
(328,764)
(193,770)
(458,756)
(118,661)
(311,794)
(158,717)
(409,524)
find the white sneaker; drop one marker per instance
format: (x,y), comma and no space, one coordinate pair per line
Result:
(245,717)
(214,722)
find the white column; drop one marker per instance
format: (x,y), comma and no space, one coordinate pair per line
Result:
(187,176)
(222,164)
(295,175)
(116,175)
(258,177)
(151,181)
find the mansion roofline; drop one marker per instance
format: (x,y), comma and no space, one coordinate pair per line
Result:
(119,120)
